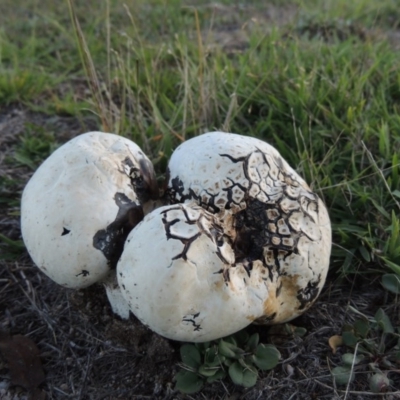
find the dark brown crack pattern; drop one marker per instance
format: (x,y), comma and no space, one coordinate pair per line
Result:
(272,211)
(110,241)
(188,224)
(142,177)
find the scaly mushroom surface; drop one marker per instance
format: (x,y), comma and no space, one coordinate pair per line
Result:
(274,230)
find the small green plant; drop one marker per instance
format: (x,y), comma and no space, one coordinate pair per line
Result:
(35,145)
(391,257)
(240,356)
(10,249)
(374,348)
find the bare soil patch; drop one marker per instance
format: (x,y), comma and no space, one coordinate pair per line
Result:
(89,353)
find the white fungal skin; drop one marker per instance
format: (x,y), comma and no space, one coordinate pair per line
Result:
(282,231)
(172,273)
(70,204)
(220,170)
(248,241)
(117,301)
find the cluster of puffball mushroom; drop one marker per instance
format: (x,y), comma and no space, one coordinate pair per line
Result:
(235,237)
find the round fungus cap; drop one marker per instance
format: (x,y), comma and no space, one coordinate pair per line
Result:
(278,221)
(79,206)
(178,276)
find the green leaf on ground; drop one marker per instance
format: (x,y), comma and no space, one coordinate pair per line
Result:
(266,356)
(343,375)
(384,322)
(391,282)
(188,382)
(243,376)
(190,355)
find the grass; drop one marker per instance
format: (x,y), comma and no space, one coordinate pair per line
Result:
(318,80)
(330,106)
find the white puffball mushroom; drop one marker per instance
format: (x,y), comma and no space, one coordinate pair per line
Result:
(80,204)
(117,301)
(178,276)
(279,222)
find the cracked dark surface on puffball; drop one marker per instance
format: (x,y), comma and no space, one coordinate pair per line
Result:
(274,210)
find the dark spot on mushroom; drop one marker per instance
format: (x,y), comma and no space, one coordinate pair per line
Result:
(233,159)
(191,318)
(252,231)
(264,320)
(149,186)
(84,273)
(186,246)
(110,241)
(226,275)
(175,193)
(143,180)
(248,266)
(65,231)
(135,215)
(279,288)
(256,228)
(307,295)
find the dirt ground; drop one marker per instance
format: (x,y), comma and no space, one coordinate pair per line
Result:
(89,353)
